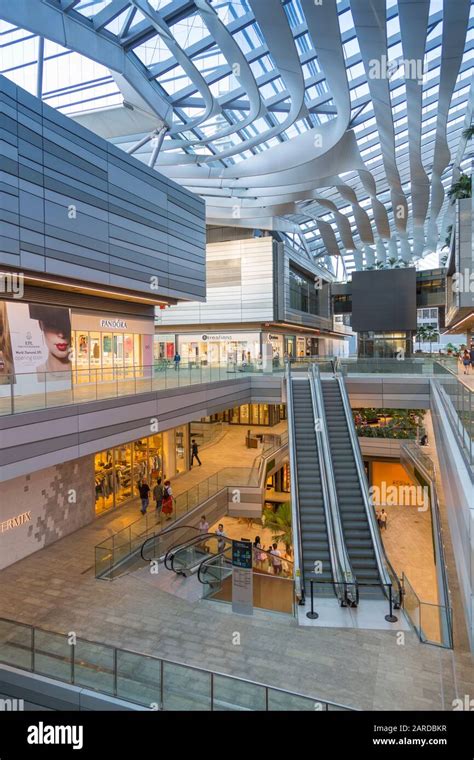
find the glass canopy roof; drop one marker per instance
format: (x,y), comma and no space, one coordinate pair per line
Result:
(283,114)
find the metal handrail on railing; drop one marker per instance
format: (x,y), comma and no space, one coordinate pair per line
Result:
(212,482)
(198,540)
(387,574)
(427,469)
(161,535)
(295,503)
(341,566)
(459,407)
(117,676)
(207,561)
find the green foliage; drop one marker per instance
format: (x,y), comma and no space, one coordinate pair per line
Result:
(279,523)
(462,188)
(468,133)
(403,423)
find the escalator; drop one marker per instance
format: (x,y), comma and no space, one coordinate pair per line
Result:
(186,557)
(312,518)
(371,568)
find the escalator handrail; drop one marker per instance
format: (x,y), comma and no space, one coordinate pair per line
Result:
(387,574)
(207,560)
(295,502)
(342,568)
(162,533)
(173,550)
(212,557)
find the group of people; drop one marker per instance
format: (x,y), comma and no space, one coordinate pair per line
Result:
(162,495)
(466,358)
(271,556)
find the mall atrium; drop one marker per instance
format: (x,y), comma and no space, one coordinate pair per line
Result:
(236,355)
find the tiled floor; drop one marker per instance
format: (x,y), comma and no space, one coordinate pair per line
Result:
(370,669)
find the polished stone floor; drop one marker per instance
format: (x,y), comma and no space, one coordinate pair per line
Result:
(55,589)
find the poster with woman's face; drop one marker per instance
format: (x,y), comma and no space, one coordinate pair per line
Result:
(40,337)
(6,359)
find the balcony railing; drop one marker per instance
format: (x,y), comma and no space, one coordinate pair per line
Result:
(143,679)
(25,392)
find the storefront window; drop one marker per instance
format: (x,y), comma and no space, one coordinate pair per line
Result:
(115,354)
(95,355)
(290,347)
(123,468)
(118,351)
(180,447)
(156,465)
(105,482)
(140,463)
(118,471)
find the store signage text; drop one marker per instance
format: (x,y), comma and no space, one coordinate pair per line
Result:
(15,522)
(217,337)
(117,324)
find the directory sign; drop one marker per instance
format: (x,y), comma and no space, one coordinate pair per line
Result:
(242,577)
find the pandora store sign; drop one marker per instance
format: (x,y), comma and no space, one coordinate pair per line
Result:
(15,522)
(113,324)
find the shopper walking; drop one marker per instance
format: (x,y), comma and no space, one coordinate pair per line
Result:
(158,493)
(383,520)
(466,360)
(195,453)
(276,559)
(144,491)
(258,553)
(167,505)
(221,538)
(176,359)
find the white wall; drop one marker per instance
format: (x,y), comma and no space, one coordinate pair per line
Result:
(239,280)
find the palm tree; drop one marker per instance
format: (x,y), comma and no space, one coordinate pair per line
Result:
(468,133)
(280,523)
(431,336)
(421,335)
(391,262)
(462,188)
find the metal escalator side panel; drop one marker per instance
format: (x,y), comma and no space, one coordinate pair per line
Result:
(343,573)
(295,511)
(313,526)
(387,576)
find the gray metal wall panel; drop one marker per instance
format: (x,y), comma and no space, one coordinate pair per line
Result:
(131,223)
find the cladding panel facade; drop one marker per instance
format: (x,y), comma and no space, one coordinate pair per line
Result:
(74,205)
(239,286)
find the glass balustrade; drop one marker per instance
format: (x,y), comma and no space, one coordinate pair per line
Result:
(141,679)
(81,386)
